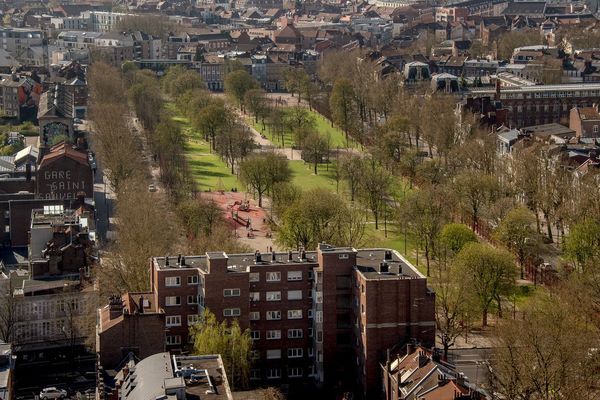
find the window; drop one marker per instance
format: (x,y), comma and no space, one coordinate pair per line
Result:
(192,280)
(294,314)
(254,335)
(254,315)
(595,129)
(231,292)
(294,294)
(172,301)
(254,296)
(272,335)
(273,276)
(273,296)
(311,275)
(294,275)
(273,315)
(295,372)
(192,300)
(172,281)
(310,352)
(254,354)
(273,354)
(173,339)
(309,314)
(319,316)
(273,373)
(343,256)
(295,333)
(193,319)
(319,336)
(254,374)
(310,332)
(173,320)
(254,277)
(318,297)
(295,352)
(231,312)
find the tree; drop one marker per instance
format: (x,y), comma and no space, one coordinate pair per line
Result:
(454,237)
(546,353)
(300,122)
(314,149)
(178,80)
(488,271)
(319,216)
(234,143)
(156,25)
(475,190)
(256,102)
(516,232)
(211,120)
(9,317)
(237,83)
(507,42)
(350,166)
(582,245)
(374,187)
(341,105)
(227,339)
(425,212)
(262,170)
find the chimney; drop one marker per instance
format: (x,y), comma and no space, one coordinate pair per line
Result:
(273,256)
(28,172)
(497,96)
(178,259)
(302,254)
(388,255)
(423,359)
(141,305)
(290,255)
(182,261)
(257,257)
(166,261)
(115,307)
(410,348)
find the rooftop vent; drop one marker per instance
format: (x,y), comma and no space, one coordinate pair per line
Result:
(257,257)
(388,255)
(383,267)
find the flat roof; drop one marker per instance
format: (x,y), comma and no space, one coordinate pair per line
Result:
(541,88)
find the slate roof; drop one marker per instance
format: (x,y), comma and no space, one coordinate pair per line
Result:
(56,102)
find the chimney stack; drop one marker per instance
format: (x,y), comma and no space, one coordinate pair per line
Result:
(183,261)
(115,307)
(257,257)
(290,255)
(383,267)
(273,256)
(166,261)
(28,172)
(388,255)
(141,305)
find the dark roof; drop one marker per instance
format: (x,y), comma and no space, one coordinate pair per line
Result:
(525,8)
(56,102)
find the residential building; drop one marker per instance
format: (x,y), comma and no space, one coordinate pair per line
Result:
(520,106)
(419,374)
(130,324)
(17,40)
(7,365)
(55,116)
(342,307)
(20,96)
(76,40)
(173,377)
(585,121)
(103,21)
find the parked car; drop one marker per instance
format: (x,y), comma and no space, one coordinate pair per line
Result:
(52,393)
(152,187)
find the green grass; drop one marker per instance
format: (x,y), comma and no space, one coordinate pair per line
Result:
(304,177)
(322,125)
(209,171)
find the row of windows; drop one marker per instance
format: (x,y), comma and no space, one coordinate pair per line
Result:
(275,373)
(276,296)
(175,320)
(276,276)
(275,334)
(176,300)
(172,281)
(276,315)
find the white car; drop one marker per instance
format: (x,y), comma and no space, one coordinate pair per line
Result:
(52,393)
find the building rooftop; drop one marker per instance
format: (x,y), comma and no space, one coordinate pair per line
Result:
(368,261)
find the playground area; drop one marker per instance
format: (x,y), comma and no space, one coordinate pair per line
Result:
(249,221)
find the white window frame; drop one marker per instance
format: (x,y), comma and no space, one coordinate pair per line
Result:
(274,276)
(193,280)
(294,275)
(254,277)
(171,340)
(255,335)
(254,296)
(254,315)
(273,296)
(194,299)
(172,320)
(274,373)
(309,314)
(193,319)
(294,314)
(274,315)
(172,281)
(295,372)
(295,333)
(176,301)
(234,292)
(295,352)
(231,312)
(274,334)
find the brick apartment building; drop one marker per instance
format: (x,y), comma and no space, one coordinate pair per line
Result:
(327,316)
(521,106)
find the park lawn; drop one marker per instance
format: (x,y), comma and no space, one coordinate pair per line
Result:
(209,171)
(304,177)
(395,240)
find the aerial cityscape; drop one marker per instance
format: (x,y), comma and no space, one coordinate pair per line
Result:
(308,199)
